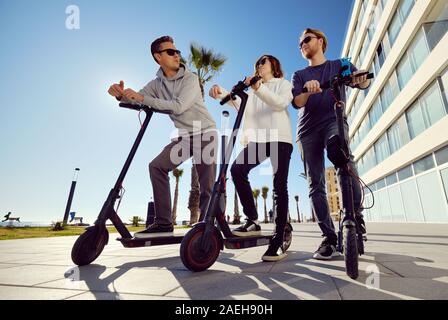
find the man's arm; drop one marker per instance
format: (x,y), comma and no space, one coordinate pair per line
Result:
(189,93)
(300,99)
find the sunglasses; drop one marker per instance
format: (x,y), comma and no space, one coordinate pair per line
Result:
(170,52)
(306,40)
(261,62)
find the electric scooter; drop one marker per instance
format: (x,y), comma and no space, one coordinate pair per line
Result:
(350,237)
(91,243)
(202,244)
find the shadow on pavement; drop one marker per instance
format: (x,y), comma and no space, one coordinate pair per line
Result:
(295,278)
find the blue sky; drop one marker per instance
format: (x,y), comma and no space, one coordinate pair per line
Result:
(56,114)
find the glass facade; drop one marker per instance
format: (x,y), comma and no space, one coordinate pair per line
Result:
(417,192)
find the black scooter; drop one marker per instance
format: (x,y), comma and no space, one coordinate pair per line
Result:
(91,243)
(350,237)
(201,245)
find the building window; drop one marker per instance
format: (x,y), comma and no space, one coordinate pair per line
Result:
(444,174)
(442,156)
(405,173)
(375,112)
(443,82)
(394,137)
(394,28)
(404,71)
(432,198)
(403,10)
(418,50)
(424,164)
(437,23)
(389,92)
(432,104)
(391,179)
(380,184)
(382,149)
(380,55)
(412,59)
(415,120)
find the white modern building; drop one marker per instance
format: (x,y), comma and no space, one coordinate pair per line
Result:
(399,126)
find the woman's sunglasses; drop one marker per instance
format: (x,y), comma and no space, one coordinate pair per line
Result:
(261,62)
(306,40)
(170,52)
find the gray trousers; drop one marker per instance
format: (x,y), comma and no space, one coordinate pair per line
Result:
(312,147)
(203,149)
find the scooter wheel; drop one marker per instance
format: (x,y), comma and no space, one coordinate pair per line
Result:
(192,255)
(351,252)
(287,237)
(89,245)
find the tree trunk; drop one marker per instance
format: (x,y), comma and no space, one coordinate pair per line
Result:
(176,196)
(236,210)
(193,201)
(266,220)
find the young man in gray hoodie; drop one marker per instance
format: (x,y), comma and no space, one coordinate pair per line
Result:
(175,89)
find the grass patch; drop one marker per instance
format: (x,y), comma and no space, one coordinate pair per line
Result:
(7,233)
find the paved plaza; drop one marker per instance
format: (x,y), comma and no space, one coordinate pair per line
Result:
(411,261)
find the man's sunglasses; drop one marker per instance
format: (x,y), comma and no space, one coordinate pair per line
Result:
(261,62)
(170,52)
(306,40)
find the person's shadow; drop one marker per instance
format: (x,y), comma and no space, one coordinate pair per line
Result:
(216,284)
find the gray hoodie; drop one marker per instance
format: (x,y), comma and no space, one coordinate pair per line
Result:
(182,95)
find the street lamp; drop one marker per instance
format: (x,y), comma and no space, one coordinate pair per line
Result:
(70,195)
(297,202)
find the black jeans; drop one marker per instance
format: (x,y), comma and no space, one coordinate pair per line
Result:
(312,147)
(249,158)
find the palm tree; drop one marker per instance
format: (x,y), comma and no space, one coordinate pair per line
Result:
(297,201)
(264,195)
(207,64)
(177,173)
(236,210)
(256,194)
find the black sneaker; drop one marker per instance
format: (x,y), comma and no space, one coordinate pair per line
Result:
(156,230)
(274,253)
(250,228)
(326,250)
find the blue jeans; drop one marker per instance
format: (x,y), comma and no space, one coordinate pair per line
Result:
(312,147)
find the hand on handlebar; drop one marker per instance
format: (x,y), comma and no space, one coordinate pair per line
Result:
(215,91)
(312,87)
(255,86)
(132,95)
(356,81)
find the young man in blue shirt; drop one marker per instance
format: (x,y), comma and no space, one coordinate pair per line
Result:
(316,131)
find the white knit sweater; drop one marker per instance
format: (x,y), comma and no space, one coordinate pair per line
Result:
(266,118)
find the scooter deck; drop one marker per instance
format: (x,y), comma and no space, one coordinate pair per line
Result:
(247,242)
(148,242)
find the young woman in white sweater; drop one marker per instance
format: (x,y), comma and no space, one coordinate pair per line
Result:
(266,134)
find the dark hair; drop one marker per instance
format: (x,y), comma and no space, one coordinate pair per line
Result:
(319,34)
(277,71)
(155,45)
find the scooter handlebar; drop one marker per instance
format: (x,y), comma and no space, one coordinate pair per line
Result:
(240,86)
(139,107)
(327,84)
